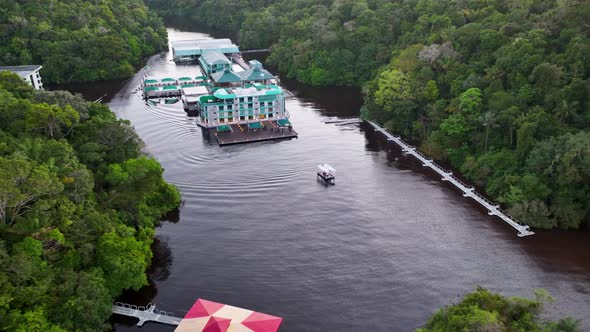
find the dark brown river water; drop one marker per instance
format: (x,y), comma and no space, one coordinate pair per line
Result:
(379,251)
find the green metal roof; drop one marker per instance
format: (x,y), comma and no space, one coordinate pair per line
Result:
(256,74)
(150,81)
(255,125)
(206,99)
(170,87)
(151,88)
(185,79)
(201,77)
(274,92)
(226,77)
(222,94)
(187,86)
(255,63)
(168,79)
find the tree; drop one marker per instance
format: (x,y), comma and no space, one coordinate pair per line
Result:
(470,101)
(66,251)
(123,259)
(53,120)
(431,91)
(483,310)
(72,47)
(393,85)
(22,182)
(488,121)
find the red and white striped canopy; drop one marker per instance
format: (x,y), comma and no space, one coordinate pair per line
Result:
(207,316)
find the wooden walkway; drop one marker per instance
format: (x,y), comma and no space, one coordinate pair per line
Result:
(468,191)
(236,58)
(241,134)
(256,51)
(344,121)
(148,313)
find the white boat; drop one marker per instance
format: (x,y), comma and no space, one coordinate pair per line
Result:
(327,173)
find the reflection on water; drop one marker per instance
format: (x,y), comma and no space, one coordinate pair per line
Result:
(379,251)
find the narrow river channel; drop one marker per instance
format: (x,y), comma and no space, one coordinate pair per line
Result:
(379,251)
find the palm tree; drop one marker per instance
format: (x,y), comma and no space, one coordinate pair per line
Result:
(488,120)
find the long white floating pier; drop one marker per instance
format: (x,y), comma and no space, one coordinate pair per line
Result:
(468,191)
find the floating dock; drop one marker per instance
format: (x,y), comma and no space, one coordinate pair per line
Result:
(171,87)
(256,132)
(145,314)
(468,191)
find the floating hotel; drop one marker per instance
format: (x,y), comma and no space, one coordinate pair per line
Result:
(236,101)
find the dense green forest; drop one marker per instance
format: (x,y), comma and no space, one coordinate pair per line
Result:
(77,40)
(221,15)
(78,207)
(483,310)
(498,89)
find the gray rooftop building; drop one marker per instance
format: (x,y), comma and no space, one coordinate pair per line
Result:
(29,73)
(193,49)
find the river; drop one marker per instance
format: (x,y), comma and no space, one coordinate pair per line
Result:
(379,251)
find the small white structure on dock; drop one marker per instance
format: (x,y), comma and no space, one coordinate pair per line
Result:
(327,173)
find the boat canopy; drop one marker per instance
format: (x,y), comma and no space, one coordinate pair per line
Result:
(327,168)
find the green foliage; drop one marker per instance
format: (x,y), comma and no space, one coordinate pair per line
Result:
(78,40)
(483,310)
(78,205)
(496,97)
